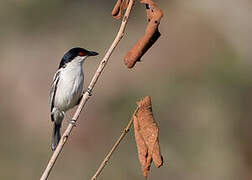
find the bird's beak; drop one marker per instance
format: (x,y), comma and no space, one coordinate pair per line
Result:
(92,53)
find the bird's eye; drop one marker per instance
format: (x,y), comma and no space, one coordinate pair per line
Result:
(81,53)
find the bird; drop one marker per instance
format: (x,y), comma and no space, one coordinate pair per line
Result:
(67,88)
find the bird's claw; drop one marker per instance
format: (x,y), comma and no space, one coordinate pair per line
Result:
(89,91)
(73,122)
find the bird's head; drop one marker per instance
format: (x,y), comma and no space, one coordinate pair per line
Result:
(76,54)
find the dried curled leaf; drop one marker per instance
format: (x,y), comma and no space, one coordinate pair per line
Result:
(154,15)
(119,6)
(146,136)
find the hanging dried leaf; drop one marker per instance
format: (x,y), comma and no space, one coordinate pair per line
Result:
(119,6)
(146,136)
(154,15)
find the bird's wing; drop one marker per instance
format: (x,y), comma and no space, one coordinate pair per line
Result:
(53,91)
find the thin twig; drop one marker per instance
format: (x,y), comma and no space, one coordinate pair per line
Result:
(87,94)
(105,161)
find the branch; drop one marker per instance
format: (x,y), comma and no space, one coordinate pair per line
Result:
(105,161)
(87,94)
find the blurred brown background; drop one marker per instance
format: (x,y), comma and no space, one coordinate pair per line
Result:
(199,75)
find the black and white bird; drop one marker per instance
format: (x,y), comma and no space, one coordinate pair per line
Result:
(67,86)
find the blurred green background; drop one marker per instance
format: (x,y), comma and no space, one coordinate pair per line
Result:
(199,75)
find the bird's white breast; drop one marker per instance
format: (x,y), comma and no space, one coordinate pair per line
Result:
(69,87)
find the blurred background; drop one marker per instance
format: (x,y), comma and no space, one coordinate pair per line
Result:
(199,75)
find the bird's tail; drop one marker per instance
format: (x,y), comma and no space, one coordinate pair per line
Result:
(56,135)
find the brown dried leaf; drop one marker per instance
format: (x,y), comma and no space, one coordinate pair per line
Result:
(146,136)
(154,15)
(141,146)
(119,6)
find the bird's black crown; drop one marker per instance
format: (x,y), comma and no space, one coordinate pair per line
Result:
(74,52)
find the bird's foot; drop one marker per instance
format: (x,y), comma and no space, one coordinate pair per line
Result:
(73,122)
(89,91)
